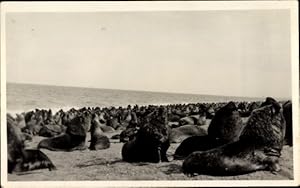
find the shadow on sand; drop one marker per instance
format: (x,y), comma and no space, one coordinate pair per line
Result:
(171,169)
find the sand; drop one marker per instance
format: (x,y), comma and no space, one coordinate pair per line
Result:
(108,165)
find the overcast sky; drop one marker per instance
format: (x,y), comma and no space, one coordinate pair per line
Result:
(235,53)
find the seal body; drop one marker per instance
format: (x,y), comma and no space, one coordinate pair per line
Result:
(288,115)
(258,148)
(230,159)
(64,142)
(72,139)
(227,124)
(19,158)
(195,143)
(98,140)
(225,127)
(150,143)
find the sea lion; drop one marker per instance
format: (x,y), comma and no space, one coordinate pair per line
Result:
(287,113)
(72,139)
(231,159)
(98,140)
(19,158)
(150,143)
(227,124)
(266,125)
(195,143)
(225,127)
(258,148)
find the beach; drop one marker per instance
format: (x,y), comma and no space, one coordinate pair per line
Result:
(108,165)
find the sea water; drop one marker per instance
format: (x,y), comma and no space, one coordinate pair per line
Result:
(26,97)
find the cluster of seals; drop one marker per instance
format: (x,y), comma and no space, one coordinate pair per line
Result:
(258,148)
(19,158)
(151,142)
(228,147)
(225,127)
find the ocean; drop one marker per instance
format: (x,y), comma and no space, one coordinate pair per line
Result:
(26,97)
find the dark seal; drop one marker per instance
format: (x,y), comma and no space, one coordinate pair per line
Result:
(150,143)
(72,139)
(19,158)
(225,127)
(258,148)
(227,124)
(288,115)
(98,140)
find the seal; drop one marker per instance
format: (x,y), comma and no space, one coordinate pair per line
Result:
(19,158)
(258,148)
(227,124)
(195,143)
(225,127)
(150,143)
(287,113)
(72,139)
(231,159)
(98,140)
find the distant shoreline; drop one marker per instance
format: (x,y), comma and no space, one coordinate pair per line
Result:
(144,91)
(26,97)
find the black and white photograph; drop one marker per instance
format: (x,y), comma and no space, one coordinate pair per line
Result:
(149,93)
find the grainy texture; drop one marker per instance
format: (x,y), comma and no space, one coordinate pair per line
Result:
(108,165)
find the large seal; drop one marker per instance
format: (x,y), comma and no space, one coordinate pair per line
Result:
(150,143)
(195,143)
(225,127)
(72,139)
(98,140)
(258,148)
(19,158)
(227,124)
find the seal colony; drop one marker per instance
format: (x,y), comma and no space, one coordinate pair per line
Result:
(242,137)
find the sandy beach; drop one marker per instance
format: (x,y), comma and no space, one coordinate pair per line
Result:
(108,165)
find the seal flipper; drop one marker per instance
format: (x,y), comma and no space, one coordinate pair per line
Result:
(36,159)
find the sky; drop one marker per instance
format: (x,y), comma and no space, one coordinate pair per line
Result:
(232,53)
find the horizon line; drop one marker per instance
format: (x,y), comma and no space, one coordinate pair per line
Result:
(88,87)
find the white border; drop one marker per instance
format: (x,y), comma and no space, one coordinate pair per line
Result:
(153,6)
